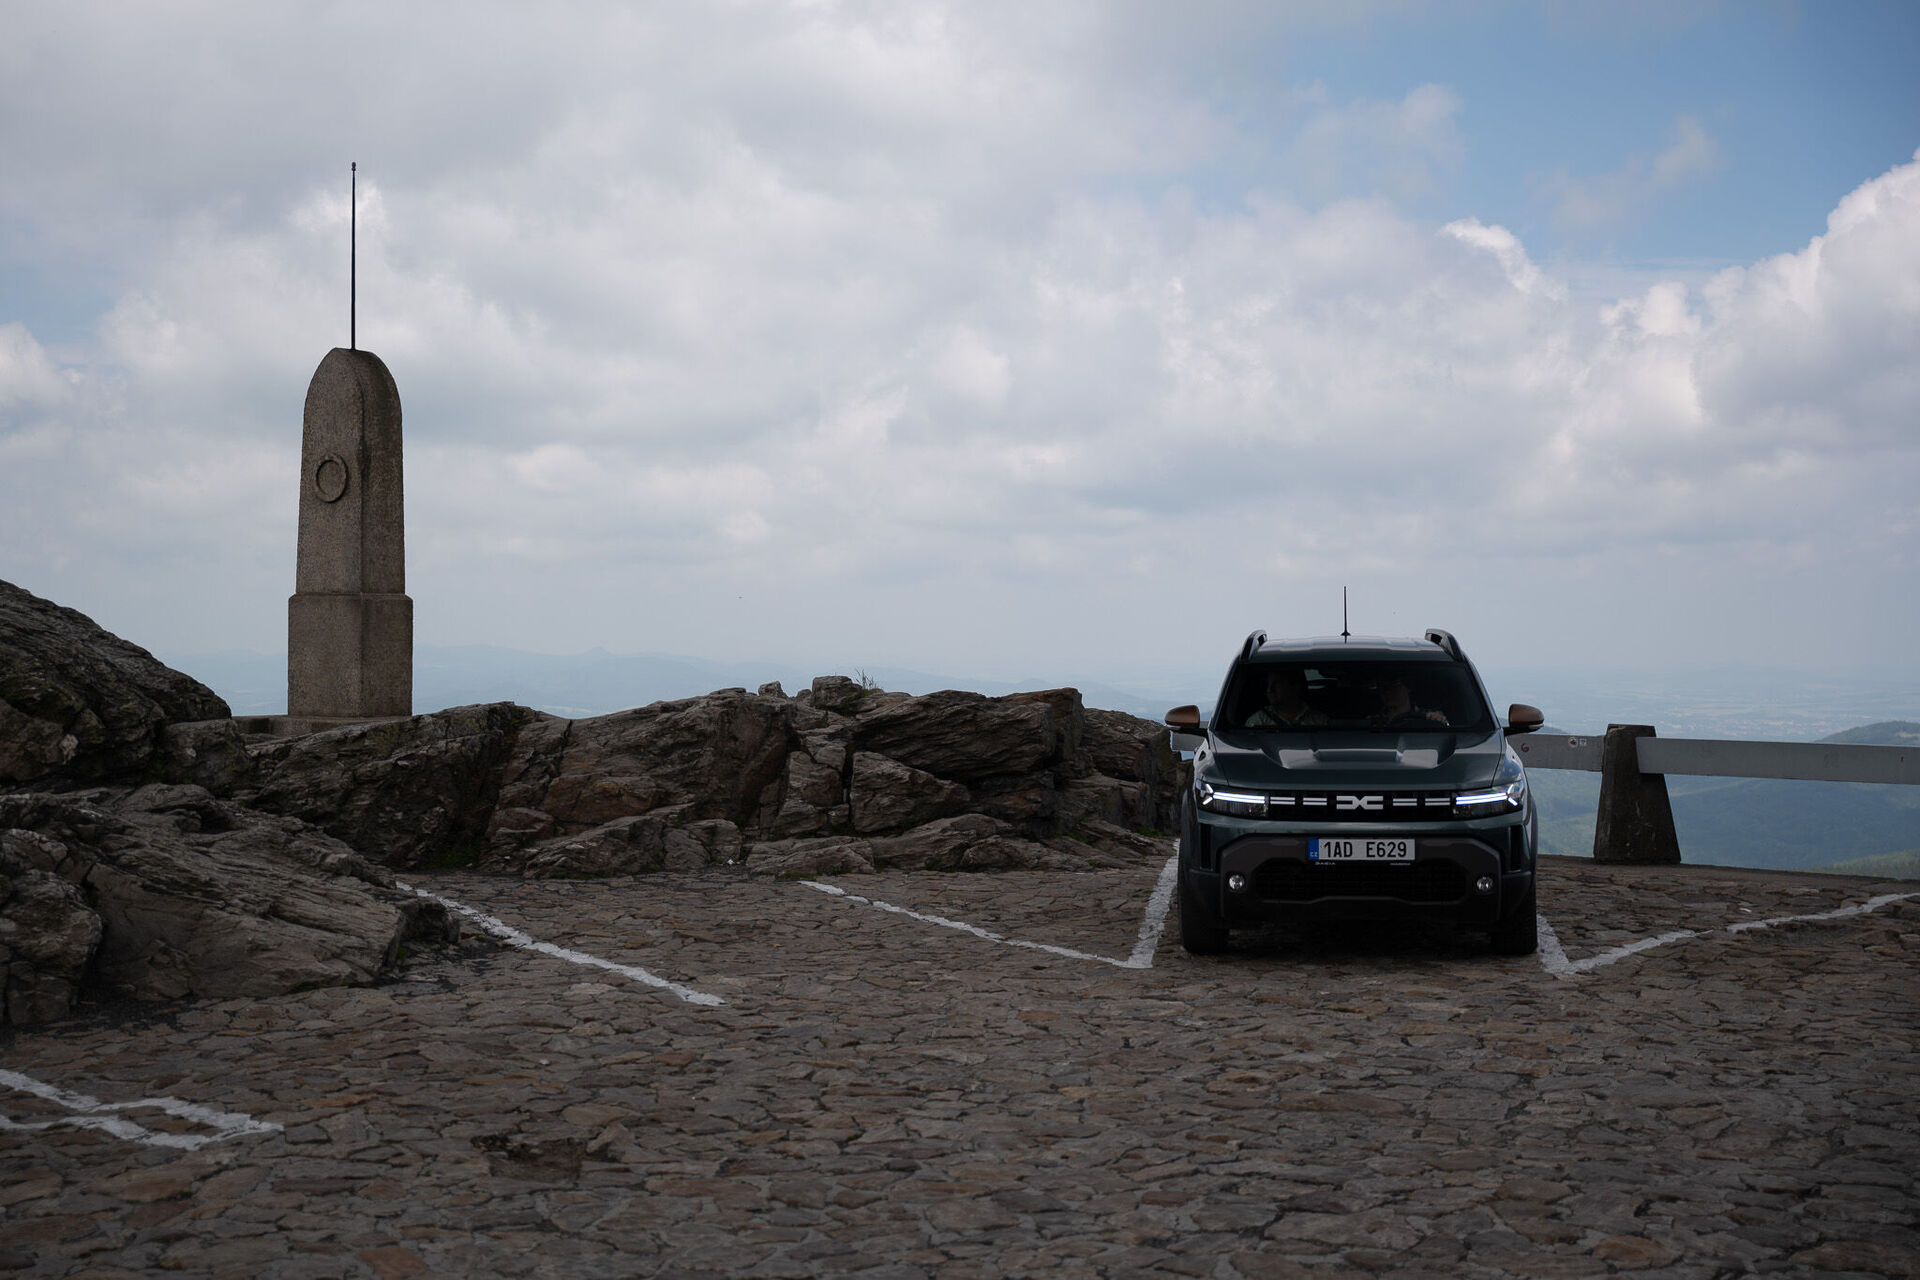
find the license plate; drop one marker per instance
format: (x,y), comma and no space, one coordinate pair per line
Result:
(1342,849)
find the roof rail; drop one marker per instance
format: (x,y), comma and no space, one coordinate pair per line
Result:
(1254,641)
(1446,641)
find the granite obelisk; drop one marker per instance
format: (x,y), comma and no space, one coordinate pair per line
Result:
(350,621)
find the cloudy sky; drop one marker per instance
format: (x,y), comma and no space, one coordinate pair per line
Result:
(985,338)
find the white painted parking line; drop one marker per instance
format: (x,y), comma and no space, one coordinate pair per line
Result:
(526,942)
(1554,958)
(1858,909)
(1145,945)
(91,1113)
(1155,922)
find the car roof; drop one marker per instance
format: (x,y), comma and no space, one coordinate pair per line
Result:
(1350,649)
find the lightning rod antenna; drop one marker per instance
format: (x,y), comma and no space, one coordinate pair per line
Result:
(1344,633)
(353,254)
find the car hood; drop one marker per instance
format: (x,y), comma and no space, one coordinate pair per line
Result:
(1328,759)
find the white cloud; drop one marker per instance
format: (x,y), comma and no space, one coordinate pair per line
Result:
(28,376)
(832,327)
(1404,149)
(1606,200)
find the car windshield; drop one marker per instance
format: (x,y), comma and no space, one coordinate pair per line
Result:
(1379,696)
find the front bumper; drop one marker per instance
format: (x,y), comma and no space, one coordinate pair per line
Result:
(1440,883)
(1280,882)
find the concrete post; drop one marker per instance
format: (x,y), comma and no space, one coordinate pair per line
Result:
(1635,820)
(350,622)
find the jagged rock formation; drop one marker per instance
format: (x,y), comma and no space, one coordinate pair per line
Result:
(78,703)
(157,891)
(149,848)
(160,892)
(838,777)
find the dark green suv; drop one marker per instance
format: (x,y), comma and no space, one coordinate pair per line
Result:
(1356,778)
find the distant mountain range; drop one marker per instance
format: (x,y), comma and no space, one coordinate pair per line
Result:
(596,682)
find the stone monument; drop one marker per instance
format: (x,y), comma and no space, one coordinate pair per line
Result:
(350,621)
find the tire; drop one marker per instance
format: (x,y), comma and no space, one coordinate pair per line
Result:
(1518,934)
(1202,931)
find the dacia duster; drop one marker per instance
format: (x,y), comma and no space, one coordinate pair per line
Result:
(1356,778)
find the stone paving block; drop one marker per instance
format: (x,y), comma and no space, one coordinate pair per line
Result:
(883,1096)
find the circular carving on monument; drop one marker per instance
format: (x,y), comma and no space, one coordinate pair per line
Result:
(330,478)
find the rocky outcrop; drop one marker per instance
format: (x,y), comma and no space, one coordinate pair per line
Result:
(166,891)
(406,793)
(79,704)
(223,864)
(840,772)
(48,933)
(729,777)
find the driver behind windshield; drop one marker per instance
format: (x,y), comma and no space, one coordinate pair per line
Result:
(1398,707)
(1286,706)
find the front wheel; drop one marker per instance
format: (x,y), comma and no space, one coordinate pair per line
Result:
(1518,933)
(1202,931)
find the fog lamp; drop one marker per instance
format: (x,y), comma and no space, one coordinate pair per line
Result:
(1484,884)
(1237,883)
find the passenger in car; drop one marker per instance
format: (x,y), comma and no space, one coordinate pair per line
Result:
(1286,704)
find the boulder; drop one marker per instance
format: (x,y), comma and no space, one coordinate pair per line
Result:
(1096,842)
(785,772)
(1099,797)
(658,841)
(808,798)
(969,842)
(825,856)
(209,753)
(188,896)
(1131,750)
(1067,716)
(838,694)
(965,737)
(48,933)
(407,793)
(79,704)
(885,795)
(713,755)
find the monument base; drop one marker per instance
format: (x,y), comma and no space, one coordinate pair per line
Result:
(349,656)
(301,726)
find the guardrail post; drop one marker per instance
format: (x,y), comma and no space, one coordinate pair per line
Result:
(1635,822)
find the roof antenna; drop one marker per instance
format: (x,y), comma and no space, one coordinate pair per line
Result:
(353,254)
(1344,633)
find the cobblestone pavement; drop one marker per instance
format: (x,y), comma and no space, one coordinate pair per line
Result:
(883,1095)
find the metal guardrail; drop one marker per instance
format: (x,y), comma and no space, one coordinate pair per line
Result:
(1717,758)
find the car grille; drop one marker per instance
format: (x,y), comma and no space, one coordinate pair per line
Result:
(1360,806)
(1285,880)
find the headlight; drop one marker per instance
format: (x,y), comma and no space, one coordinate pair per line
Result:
(1506,794)
(1239,804)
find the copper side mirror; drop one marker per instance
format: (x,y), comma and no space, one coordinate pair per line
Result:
(1522,718)
(1187,717)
